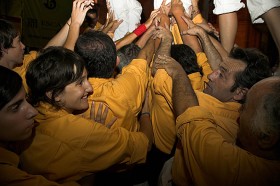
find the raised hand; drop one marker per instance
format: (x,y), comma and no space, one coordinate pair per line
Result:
(79,10)
(171,66)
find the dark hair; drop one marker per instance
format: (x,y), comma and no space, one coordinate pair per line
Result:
(257,67)
(186,57)
(7,34)
(126,54)
(10,85)
(52,70)
(99,52)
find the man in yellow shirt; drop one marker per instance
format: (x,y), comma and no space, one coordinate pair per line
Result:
(205,157)
(123,94)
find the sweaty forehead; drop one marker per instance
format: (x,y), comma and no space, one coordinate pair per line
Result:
(233,65)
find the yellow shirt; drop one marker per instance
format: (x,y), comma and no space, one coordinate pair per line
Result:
(206,158)
(22,69)
(67,147)
(11,175)
(161,104)
(124,94)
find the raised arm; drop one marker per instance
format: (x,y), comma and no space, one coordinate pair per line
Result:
(183,95)
(79,10)
(214,57)
(177,10)
(129,38)
(60,38)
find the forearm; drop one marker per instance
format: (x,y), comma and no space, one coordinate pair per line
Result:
(73,35)
(213,56)
(146,128)
(183,95)
(148,51)
(141,42)
(189,40)
(126,40)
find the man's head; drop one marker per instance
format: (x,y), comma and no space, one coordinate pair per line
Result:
(259,130)
(238,73)
(186,57)
(126,54)
(99,52)
(11,47)
(15,112)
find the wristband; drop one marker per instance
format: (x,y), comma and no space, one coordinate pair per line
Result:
(140,30)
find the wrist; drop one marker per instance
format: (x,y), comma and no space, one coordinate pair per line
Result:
(140,30)
(145,114)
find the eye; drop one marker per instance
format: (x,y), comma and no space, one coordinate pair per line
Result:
(15,108)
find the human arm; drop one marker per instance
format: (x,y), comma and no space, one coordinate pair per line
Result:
(177,10)
(214,57)
(129,38)
(183,95)
(79,10)
(145,121)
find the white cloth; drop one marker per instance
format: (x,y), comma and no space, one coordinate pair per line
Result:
(186,4)
(130,12)
(259,7)
(227,6)
(165,176)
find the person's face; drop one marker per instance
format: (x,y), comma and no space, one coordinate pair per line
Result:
(15,54)
(75,95)
(222,79)
(17,118)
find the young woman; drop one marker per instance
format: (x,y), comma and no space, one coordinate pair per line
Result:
(67,146)
(16,125)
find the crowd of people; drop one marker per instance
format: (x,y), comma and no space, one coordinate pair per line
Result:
(167,102)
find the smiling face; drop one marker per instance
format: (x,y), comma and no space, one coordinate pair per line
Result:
(222,79)
(74,97)
(17,118)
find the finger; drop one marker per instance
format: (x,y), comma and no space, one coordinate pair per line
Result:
(99,113)
(92,111)
(104,115)
(109,125)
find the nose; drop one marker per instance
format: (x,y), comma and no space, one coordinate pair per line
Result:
(214,75)
(32,112)
(88,87)
(23,46)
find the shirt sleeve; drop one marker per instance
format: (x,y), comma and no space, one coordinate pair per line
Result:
(206,154)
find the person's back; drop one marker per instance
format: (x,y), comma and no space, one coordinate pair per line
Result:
(58,87)
(206,158)
(124,94)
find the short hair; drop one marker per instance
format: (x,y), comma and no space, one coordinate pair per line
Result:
(186,57)
(257,67)
(7,34)
(52,70)
(126,54)
(270,109)
(99,53)
(10,85)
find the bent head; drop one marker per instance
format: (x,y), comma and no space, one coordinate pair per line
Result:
(259,129)
(17,115)
(99,52)
(58,77)
(238,73)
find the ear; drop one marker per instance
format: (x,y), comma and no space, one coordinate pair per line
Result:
(240,93)
(267,141)
(49,95)
(118,61)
